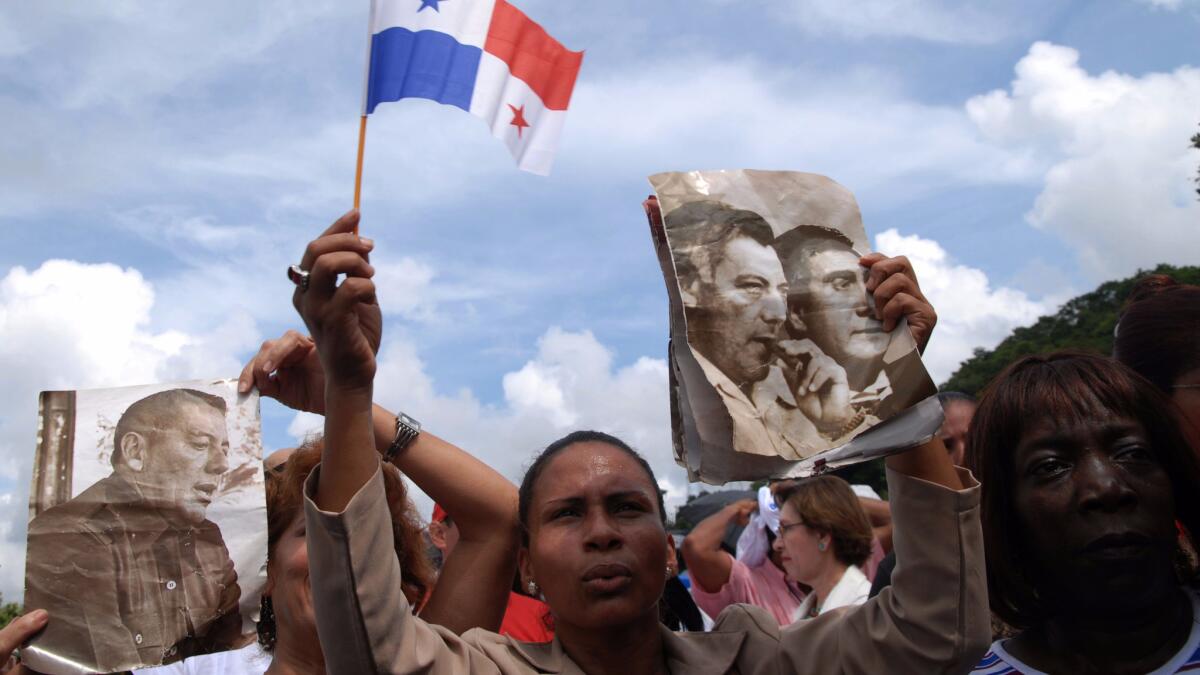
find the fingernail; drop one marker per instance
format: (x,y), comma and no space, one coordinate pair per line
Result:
(369,243)
(243,388)
(268,367)
(38,616)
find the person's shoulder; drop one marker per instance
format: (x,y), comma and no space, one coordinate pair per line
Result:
(506,650)
(749,618)
(84,513)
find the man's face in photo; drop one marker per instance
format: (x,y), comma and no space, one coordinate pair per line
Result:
(185,460)
(741,310)
(833,305)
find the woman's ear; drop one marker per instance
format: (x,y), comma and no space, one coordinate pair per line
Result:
(525,567)
(672,559)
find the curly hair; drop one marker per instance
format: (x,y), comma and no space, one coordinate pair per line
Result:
(285,502)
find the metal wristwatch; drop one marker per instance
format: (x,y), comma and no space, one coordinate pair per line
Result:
(407,430)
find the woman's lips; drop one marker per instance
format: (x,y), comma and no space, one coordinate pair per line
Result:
(607,578)
(1118,546)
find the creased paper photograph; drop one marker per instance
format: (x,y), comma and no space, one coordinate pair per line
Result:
(778,362)
(147,530)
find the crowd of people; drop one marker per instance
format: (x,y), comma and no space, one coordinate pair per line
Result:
(1047,529)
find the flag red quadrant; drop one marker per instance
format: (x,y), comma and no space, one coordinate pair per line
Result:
(484,56)
(533,56)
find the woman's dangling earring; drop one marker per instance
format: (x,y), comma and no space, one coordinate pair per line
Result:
(532,587)
(266,624)
(821,546)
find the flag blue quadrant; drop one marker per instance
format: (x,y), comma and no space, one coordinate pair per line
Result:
(422,64)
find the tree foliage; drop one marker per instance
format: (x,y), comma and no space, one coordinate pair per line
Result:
(1196,144)
(1086,322)
(8,612)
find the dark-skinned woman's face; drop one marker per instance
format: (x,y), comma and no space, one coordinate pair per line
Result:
(1095,511)
(597,546)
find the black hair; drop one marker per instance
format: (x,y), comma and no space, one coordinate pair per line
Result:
(525,493)
(790,245)
(1063,386)
(1157,332)
(699,230)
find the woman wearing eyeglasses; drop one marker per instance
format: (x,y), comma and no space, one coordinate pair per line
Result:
(824,538)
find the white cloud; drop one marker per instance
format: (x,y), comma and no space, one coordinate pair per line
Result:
(1118,168)
(870,137)
(123,52)
(571,383)
(69,325)
(930,20)
(971,311)
(1168,5)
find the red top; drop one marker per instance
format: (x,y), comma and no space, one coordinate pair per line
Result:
(526,619)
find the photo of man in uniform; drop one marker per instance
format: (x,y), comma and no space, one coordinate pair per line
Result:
(735,303)
(131,569)
(828,304)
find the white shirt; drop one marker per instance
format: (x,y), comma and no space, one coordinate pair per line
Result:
(249,660)
(852,589)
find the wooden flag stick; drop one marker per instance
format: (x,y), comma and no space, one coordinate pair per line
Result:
(362,140)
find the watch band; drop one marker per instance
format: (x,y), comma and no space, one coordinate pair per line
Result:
(407,430)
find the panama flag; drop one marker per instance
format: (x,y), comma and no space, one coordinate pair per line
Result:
(484,56)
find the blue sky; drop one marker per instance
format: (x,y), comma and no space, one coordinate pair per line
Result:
(173,158)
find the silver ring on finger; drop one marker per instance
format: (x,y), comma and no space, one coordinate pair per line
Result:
(299,277)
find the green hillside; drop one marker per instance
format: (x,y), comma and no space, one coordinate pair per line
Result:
(1085,322)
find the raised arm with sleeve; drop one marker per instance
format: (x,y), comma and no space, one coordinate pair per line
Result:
(473,586)
(708,564)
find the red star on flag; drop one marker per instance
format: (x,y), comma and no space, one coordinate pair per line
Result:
(518,119)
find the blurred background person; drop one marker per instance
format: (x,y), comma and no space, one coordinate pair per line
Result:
(1084,476)
(1158,336)
(756,577)
(824,538)
(959,409)
(525,618)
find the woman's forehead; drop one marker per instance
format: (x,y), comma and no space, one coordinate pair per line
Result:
(591,467)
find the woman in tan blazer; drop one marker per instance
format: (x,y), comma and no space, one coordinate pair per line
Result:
(595,547)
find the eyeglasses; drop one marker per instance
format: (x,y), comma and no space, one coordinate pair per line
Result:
(784,527)
(1186,386)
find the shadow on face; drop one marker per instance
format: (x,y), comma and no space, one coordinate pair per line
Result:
(1097,508)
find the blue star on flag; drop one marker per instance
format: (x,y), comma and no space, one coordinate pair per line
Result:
(430,3)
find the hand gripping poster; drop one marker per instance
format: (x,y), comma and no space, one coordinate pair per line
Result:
(147,528)
(778,365)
